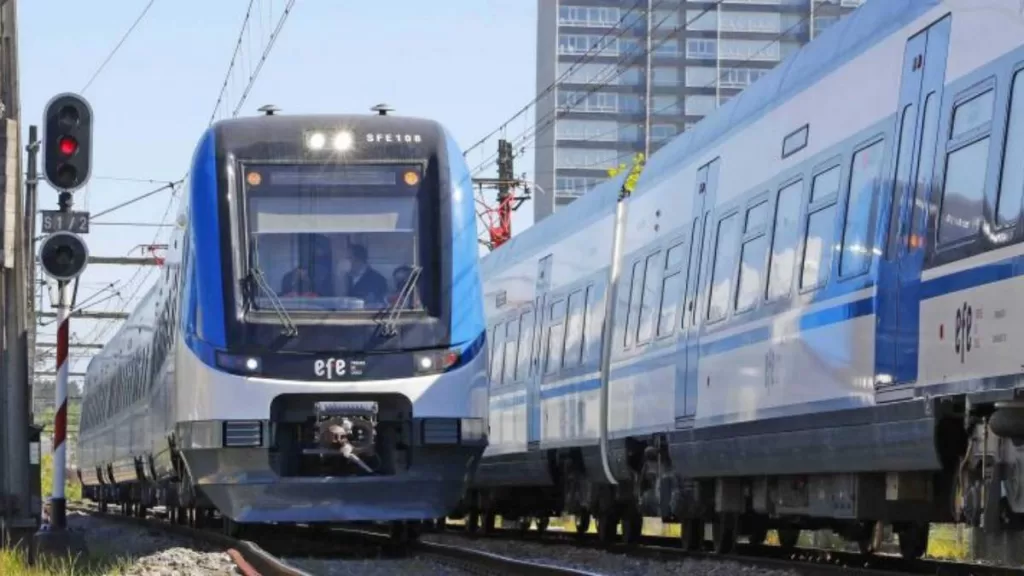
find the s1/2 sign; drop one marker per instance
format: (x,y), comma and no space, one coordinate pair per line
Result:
(57,221)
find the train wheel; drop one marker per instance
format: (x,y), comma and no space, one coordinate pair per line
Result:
(607,523)
(632,526)
(913,540)
(723,533)
(582,523)
(693,534)
(788,538)
(757,535)
(487,526)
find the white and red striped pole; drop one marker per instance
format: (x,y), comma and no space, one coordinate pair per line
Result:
(58,506)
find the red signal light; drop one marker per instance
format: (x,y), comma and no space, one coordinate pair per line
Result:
(67,145)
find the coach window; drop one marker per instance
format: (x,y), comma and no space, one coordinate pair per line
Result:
(525,348)
(636,285)
(652,280)
(495,349)
(784,241)
(574,330)
(859,231)
(723,266)
(963,195)
(556,336)
(511,337)
(821,221)
(1012,185)
(752,260)
(671,290)
(593,314)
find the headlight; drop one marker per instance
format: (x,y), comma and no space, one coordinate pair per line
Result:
(435,360)
(472,429)
(239,364)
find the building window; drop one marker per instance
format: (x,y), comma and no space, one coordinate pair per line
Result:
(588,16)
(750,50)
(665,105)
(700,105)
(661,132)
(701,76)
(701,48)
(770,22)
(589,130)
(702,20)
(665,76)
(584,43)
(581,159)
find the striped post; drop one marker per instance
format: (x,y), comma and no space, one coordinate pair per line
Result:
(58,517)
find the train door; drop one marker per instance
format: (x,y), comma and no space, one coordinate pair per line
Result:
(703,206)
(540,320)
(924,74)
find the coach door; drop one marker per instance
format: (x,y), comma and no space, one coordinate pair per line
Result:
(540,319)
(703,206)
(924,74)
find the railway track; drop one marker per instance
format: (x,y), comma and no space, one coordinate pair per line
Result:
(265,554)
(808,561)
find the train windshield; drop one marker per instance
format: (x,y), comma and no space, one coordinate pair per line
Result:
(334,238)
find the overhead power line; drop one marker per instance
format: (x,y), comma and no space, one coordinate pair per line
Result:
(119,44)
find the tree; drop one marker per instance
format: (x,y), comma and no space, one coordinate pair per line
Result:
(634,173)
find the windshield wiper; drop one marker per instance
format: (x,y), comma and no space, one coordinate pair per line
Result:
(256,276)
(389,326)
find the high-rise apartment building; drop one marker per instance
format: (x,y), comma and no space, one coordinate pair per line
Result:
(632,74)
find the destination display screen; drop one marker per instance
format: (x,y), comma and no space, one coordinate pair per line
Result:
(328,176)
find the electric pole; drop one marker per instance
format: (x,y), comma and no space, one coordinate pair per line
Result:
(499,226)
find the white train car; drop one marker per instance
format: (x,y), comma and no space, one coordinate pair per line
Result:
(816,300)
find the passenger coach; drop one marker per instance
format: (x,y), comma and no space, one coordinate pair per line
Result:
(806,315)
(314,348)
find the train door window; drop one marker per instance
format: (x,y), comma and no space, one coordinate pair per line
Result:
(862,206)
(574,330)
(963,194)
(820,235)
(592,316)
(556,337)
(752,256)
(904,155)
(652,279)
(496,357)
(1011,187)
(925,163)
(511,339)
(636,285)
(785,237)
(525,349)
(671,290)
(723,266)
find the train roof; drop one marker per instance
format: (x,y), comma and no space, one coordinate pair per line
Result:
(588,208)
(850,37)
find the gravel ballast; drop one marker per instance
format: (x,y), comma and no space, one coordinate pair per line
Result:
(151,552)
(383,567)
(600,562)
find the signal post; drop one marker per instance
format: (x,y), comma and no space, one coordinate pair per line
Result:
(67,162)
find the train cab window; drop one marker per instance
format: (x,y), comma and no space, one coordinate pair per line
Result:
(510,351)
(752,261)
(784,241)
(861,220)
(556,337)
(820,235)
(723,266)
(1011,187)
(671,290)
(574,330)
(525,348)
(636,285)
(652,281)
(963,193)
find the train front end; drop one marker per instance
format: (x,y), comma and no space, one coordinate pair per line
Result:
(333,362)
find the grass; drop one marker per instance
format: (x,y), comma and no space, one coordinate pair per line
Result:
(14,562)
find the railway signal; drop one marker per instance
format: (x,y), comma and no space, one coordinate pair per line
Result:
(63,255)
(67,142)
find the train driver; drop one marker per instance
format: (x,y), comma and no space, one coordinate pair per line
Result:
(361,280)
(311,278)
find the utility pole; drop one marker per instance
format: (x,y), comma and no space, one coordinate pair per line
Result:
(499,226)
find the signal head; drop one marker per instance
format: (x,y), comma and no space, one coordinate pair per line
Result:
(63,255)
(67,141)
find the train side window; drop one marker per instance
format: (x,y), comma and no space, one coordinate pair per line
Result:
(556,337)
(525,348)
(652,279)
(782,259)
(592,325)
(752,260)
(496,358)
(671,290)
(1011,187)
(574,330)
(861,206)
(636,285)
(963,193)
(511,339)
(820,235)
(723,266)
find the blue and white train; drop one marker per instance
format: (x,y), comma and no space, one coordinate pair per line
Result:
(313,350)
(806,315)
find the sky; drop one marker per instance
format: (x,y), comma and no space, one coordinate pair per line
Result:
(470,64)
